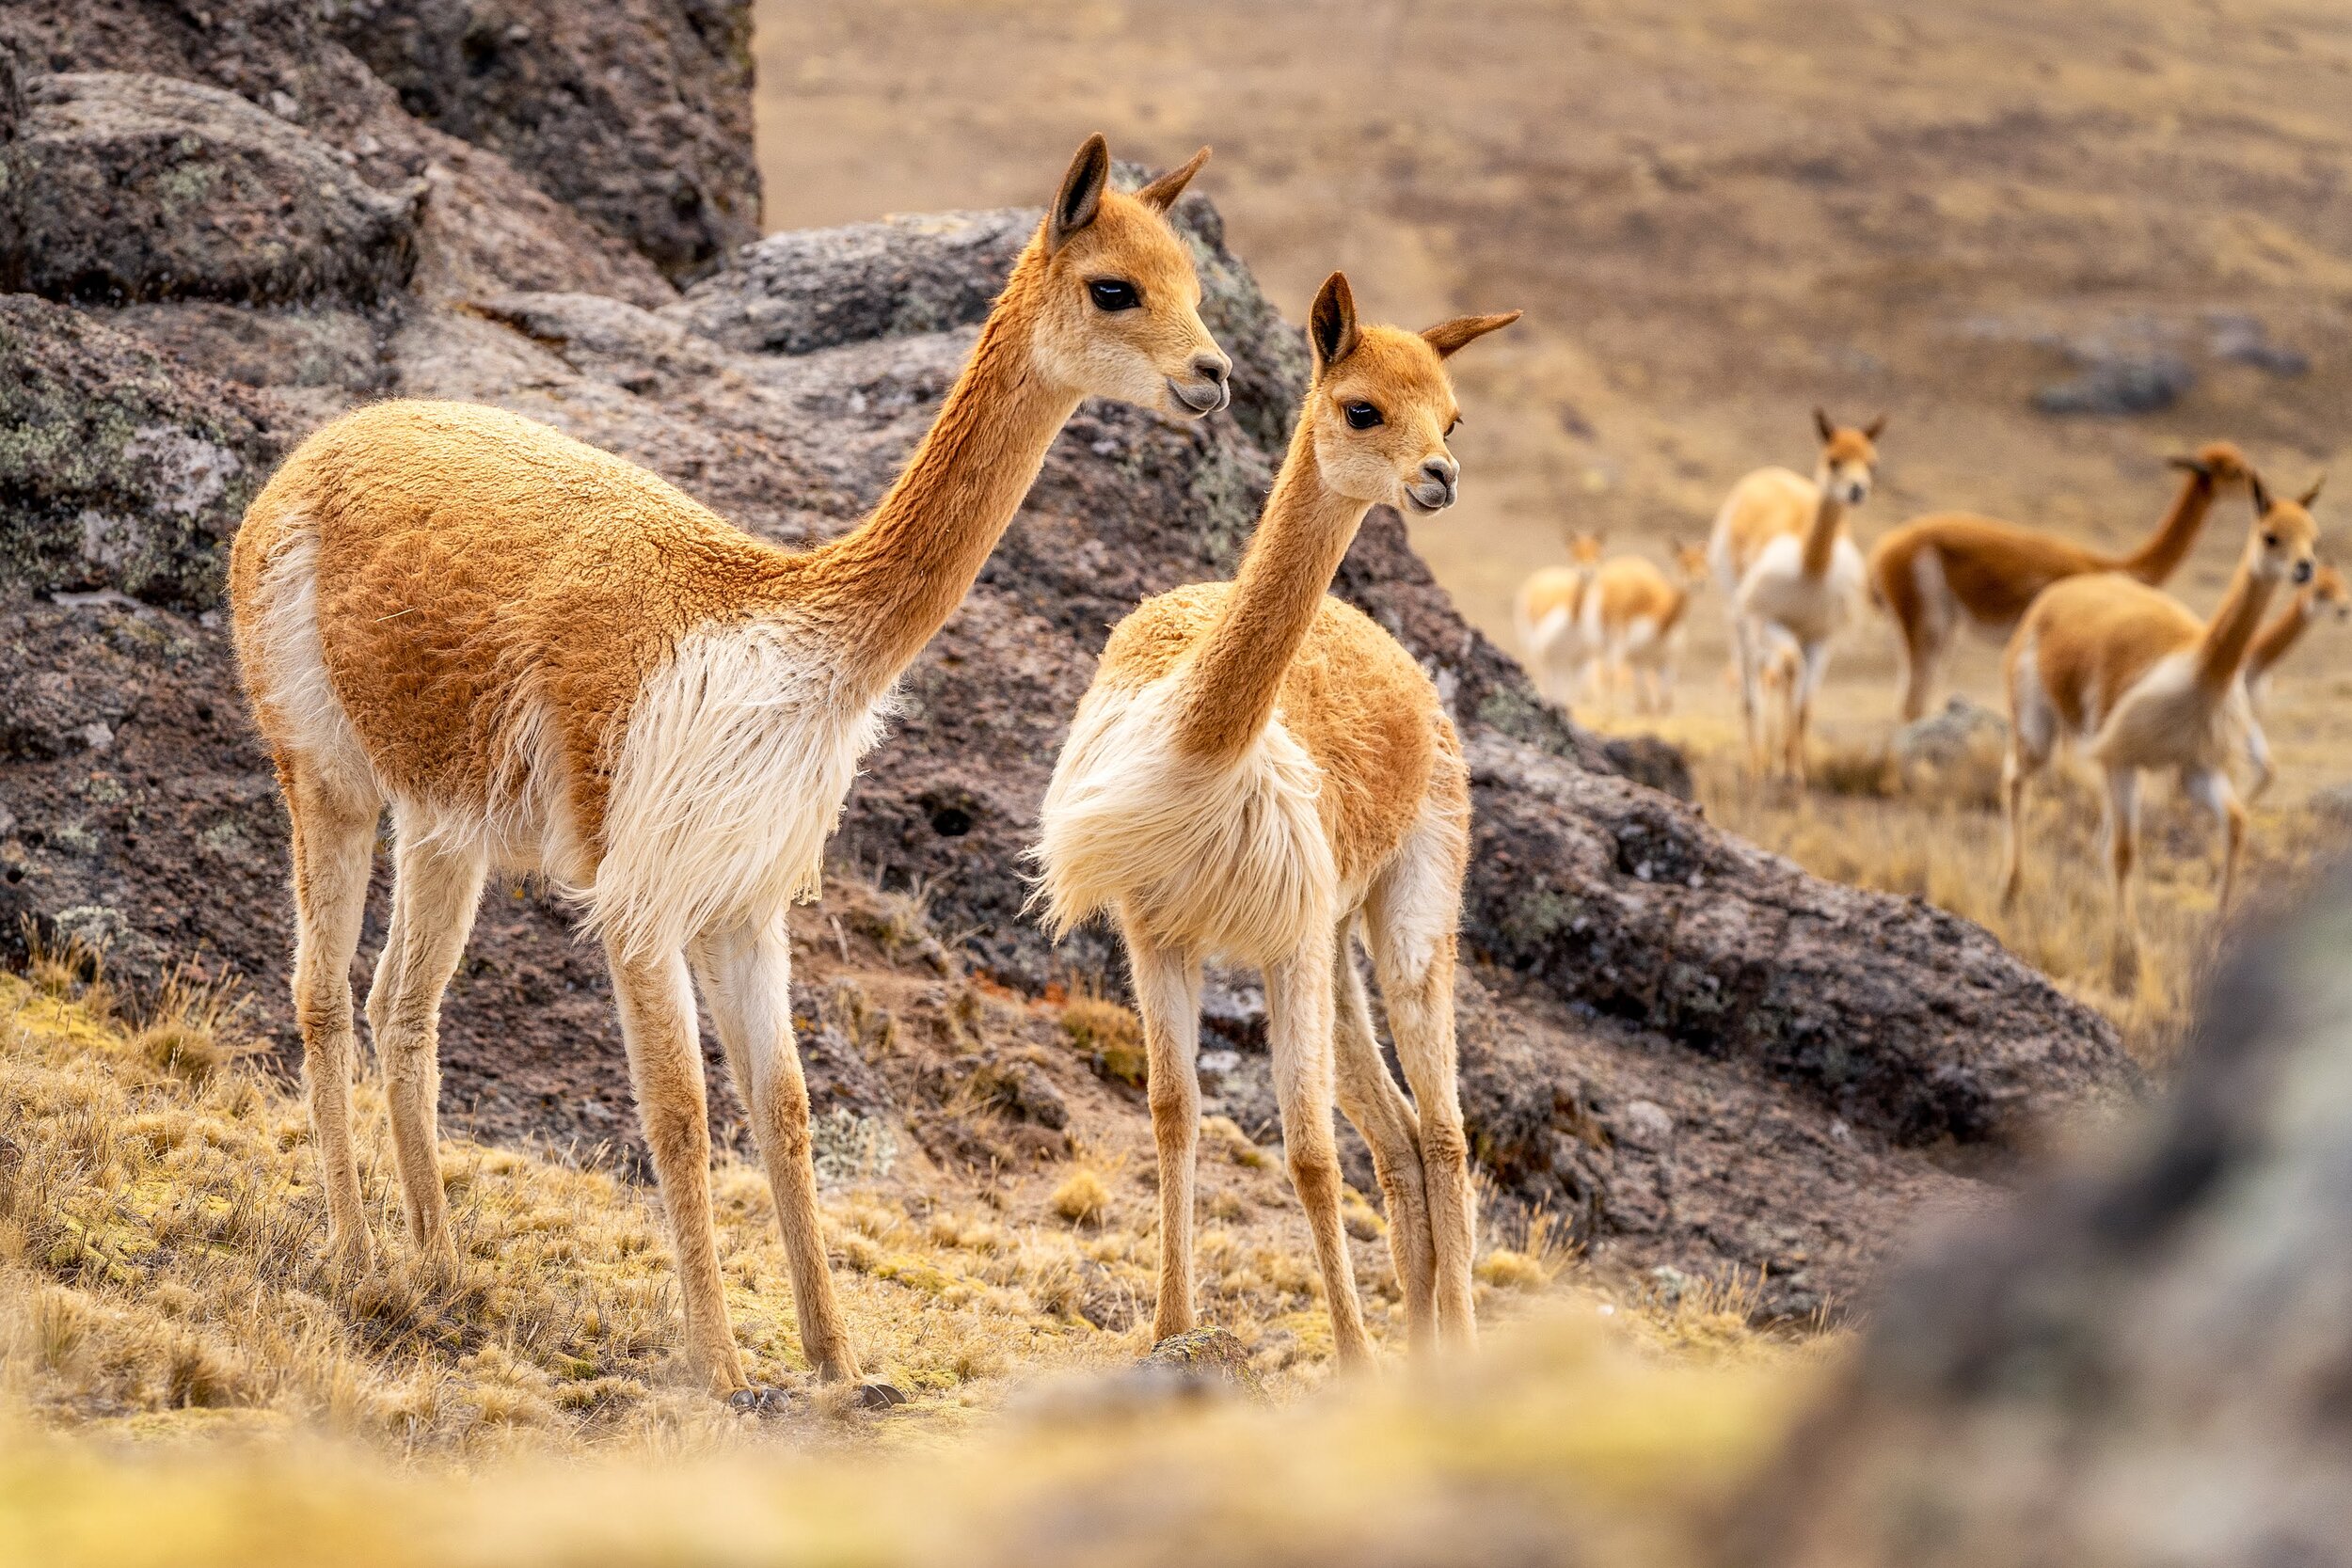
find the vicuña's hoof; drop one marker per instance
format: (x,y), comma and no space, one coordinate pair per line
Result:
(761,1398)
(877,1396)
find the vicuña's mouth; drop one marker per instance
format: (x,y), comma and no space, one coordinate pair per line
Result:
(1428,497)
(1200,398)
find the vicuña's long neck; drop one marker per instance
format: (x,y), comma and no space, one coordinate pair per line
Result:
(2231,632)
(2167,547)
(2271,644)
(1820,539)
(1235,673)
(899,576)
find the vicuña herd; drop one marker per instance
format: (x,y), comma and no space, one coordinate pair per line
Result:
(543,658)
(2097,654)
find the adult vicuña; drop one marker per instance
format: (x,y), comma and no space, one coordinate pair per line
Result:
(1634,626)
(547,658)
(1935,574)
(1257,767)
(1550,620)
(1780,553)
(2130,674)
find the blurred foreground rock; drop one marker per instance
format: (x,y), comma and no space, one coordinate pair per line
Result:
(2148,1362)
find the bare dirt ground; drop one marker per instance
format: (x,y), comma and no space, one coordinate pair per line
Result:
(1716,216)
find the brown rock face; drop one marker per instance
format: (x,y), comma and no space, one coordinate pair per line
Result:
(2148,1361)
(635,114)
(1698,1057)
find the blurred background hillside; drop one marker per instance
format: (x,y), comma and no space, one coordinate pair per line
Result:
(2052,244)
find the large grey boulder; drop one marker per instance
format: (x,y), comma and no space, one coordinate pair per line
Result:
(124,186)
(2148,1361)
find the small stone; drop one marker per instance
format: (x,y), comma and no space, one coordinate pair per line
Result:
(1644,1124)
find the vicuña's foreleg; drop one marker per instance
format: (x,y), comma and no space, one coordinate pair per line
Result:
(1371,1099)
(1299,996)
(434,890)
(746,976)
(1168,998)
(334,843)
(1412,914)
(2211,788)
(665,1066)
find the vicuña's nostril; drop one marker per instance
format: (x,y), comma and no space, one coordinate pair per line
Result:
(1438,470)
(1213,367)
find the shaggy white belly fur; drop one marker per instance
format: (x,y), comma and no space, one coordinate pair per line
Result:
(1222,861)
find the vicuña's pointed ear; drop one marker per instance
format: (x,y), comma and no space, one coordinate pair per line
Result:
(2262,494)
(1822,422)
(2312,495)
(1448,335)
(1081,193)
(1331,322)
(2197,465)
(1161,194)
(1874,427)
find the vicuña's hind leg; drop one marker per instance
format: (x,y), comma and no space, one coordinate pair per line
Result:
(2123,835)
(434,890)
(334,844)
(746,977)
(665,1066)
(1412,913)
(1371,1099)
(1168,998)
(2032,734)
(1299,993)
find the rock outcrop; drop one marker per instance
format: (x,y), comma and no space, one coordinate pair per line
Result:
(1696,1054)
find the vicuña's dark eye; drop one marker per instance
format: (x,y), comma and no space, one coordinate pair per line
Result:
(1453,425)
(1362,416)
(2270,541)
(1114,293)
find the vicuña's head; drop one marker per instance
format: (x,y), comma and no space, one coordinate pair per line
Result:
(2284,544)
(2219,463)
(1118,312)
(1381,405)
(2330,595)
(1850,456)
(1584,549)
(1691,564)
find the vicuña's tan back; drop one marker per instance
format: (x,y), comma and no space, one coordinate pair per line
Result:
(1258,768)
(1935,573)
(542,657)
(479,574)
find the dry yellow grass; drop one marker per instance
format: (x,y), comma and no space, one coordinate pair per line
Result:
(183,1382)
(1937,836)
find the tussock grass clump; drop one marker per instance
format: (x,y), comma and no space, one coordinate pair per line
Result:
(1109,1035)
(1082,1198)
